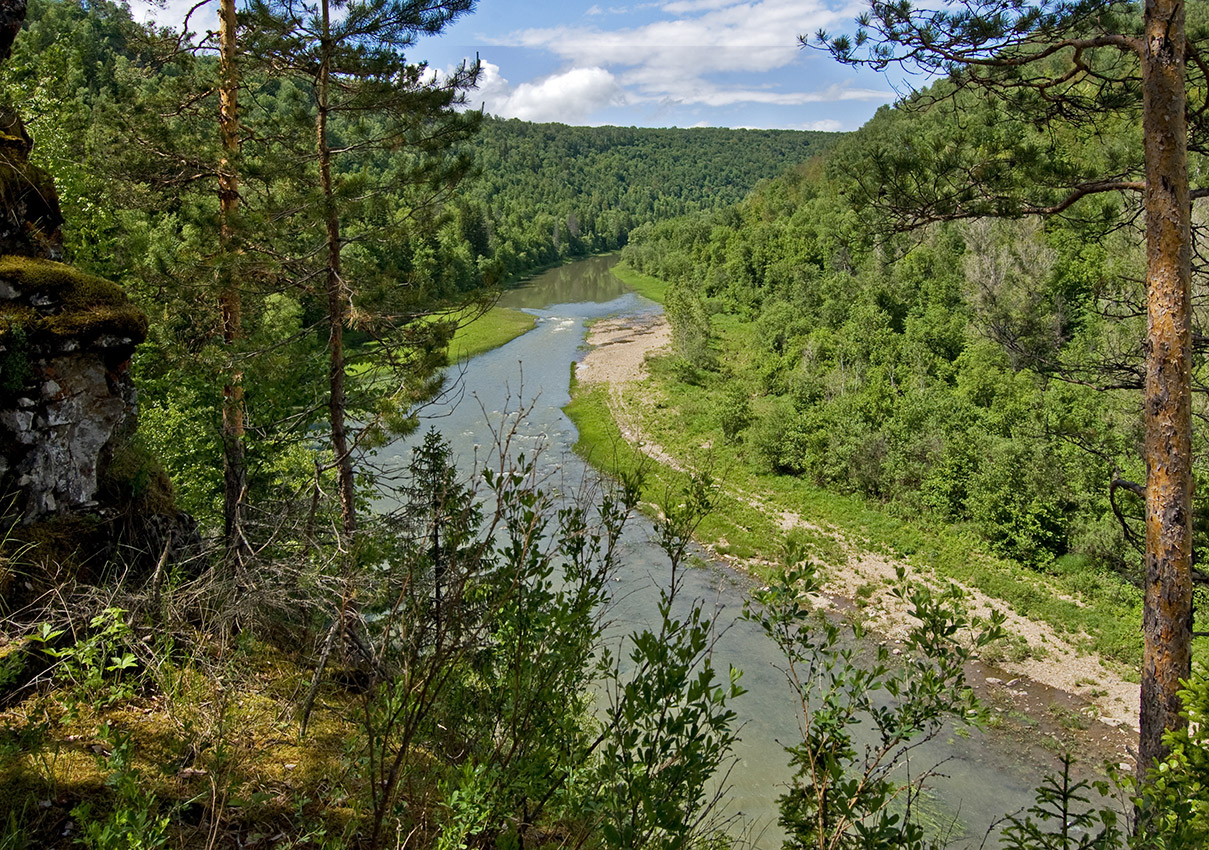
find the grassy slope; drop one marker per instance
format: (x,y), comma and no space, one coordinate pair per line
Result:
(683,419)
(494,328)
(652,287)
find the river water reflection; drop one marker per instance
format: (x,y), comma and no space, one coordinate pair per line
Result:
(986,777)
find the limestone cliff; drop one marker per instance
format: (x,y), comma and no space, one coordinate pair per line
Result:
(66,339)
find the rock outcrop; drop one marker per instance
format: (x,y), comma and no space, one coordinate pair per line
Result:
(66,339)
(72,473)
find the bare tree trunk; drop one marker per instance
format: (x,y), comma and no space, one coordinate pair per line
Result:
(1167,623)
(337,310)
(230,303)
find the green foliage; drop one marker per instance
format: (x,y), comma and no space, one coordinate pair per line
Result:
(15,370)
(1062,819)
(546,192)
(917,372)
(669,728)
(469,809)
(487,638)
(1174,808)
(735,415)
(133,821)
(99,667)
(1018,502)
(691,332)
(845,794)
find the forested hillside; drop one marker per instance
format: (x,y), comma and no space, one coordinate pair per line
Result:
(548,191)
(984,372)
(1055,113)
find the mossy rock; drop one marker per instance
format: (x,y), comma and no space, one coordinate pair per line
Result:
(86,307)
(135,478)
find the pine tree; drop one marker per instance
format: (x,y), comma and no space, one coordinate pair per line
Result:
(368,99)
(230,300)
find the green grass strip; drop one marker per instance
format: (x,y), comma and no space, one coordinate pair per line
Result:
(497,326)
(645,285)
(494,328)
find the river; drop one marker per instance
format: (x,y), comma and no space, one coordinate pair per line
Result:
(987,776)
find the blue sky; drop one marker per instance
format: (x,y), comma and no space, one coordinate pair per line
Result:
(659,63)
(662,63)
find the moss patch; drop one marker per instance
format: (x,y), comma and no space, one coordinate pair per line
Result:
(89,307)
(212,742)
(135,478)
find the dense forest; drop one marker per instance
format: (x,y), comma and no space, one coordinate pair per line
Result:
(550,192)
(223,640)
(901,370)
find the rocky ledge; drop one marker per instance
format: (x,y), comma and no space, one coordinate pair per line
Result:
(66,397)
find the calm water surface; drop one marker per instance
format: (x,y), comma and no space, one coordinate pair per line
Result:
(987,777)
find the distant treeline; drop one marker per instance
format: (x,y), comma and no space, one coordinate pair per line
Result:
(546,192)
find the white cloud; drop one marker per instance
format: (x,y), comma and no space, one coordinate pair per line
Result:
(491,89)
(172,13)
(569,97)
(646,85)
(679,7)
(711,53)
(718,35)
(829,125)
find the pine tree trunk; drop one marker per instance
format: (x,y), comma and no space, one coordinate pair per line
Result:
(337,311)
(1167,623)
(230,304)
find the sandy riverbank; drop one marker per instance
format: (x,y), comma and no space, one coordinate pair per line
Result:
(620,348)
